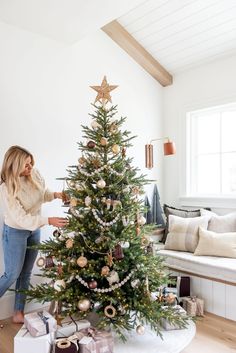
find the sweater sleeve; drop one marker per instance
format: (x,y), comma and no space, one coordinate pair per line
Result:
(16,216)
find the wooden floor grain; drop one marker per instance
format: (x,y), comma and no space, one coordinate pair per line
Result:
(214,335)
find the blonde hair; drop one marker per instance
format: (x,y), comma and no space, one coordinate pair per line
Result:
(12,167)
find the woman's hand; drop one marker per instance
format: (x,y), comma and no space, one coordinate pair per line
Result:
(58,222)
(57,195)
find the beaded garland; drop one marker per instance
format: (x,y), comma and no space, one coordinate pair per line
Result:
(100,221)
(111,288)
(99,170)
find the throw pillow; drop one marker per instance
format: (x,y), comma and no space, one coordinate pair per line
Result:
(223,224)
(183,232)
(169,210)
(216,244)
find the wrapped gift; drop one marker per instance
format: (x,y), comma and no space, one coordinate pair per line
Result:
(66,345)
(40,323)
(70,325)
(194,306)
(95,341)
(167,325)
(24,342)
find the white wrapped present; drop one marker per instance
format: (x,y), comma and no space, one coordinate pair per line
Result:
(70,325)
(170,326)
(40,323)
(24,342)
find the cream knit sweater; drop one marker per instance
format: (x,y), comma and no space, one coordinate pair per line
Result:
(24,211)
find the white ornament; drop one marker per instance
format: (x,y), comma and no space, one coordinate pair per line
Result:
(135,283)
(141,220)
(70,235)
(87,201)
(101,184)
(140,330)
(84,304)
(113,277)
(59,284)
(124,244)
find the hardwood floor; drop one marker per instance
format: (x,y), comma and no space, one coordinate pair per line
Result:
(214,335)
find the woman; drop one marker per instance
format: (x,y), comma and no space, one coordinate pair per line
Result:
(22,192)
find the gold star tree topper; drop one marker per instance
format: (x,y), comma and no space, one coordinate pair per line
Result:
(104,90)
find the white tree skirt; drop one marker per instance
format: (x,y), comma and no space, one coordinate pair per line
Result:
(173,341)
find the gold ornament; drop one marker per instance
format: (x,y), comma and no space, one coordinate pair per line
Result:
(96,162)
(115,149)
(84,304)
(110,311)
(104,141)
(59,284)
(105,270)
(73,202)
(82,261)
(141,220)
(101,184)
(104,90)
(82,160)
(113,128)
(140,329)
(69,243)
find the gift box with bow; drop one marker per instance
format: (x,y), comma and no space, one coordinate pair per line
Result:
(194,306)
(40,323)
(95,341)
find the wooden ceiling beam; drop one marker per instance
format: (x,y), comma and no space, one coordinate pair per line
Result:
(119,34)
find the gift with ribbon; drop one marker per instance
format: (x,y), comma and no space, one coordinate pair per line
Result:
(193,305)
(66,345)
(40,323)
(95,341)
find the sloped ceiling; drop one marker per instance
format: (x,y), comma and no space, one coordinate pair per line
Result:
(63,20)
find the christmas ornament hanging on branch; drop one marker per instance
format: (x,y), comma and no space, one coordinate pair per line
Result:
(101,256)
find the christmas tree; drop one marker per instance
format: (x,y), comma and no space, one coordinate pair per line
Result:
(99,262)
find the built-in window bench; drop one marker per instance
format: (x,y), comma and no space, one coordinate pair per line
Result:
(212,278)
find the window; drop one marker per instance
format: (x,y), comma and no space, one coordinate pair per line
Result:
(211,152)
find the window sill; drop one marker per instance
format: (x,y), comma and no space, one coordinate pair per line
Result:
(208,201)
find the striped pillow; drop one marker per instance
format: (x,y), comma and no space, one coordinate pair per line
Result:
(184,232)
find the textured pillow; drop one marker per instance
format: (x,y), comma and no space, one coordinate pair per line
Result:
(183,232)
(216,244)
(223,224)
(169,210)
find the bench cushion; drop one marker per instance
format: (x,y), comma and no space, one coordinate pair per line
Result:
(219,268)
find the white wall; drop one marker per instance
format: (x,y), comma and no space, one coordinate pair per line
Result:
(204,86)
(45,96)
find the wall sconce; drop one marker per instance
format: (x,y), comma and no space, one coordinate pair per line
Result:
(169,148)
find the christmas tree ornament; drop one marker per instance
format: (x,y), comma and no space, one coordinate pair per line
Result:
(82,160)
(124,244)
(113,128)
(40,262)
(108,203)
(110,311)
(82,261)
(70,183)
(113,277)
(59,284)
(73,202)
(103,92)
(49,263)
(122,310)
(123,152)
(145,241)
(110,259)
(84,304)
(92,284)
(104,141)
(141,220)
(59,269)
(118,252)
(105,270)
(140,329)
(101,184)
(125,220)
(138,230)
(115,149)
(91,144)
(56,233)
(87,201)
(69,243)
(95,125)
(79,187)
(136,190)
(135,283)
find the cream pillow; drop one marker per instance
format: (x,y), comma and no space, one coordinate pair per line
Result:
(183,232)
(221,224)
(216,244)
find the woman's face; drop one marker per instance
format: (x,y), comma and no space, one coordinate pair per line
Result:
(28,167)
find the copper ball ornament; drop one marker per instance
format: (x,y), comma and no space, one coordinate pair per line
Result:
(69,243)
(82,261)
(104,141)
(115,149)
(92,284)
(105,270)
(82,160)
(91,144)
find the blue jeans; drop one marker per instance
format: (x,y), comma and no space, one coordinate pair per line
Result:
(18,260)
